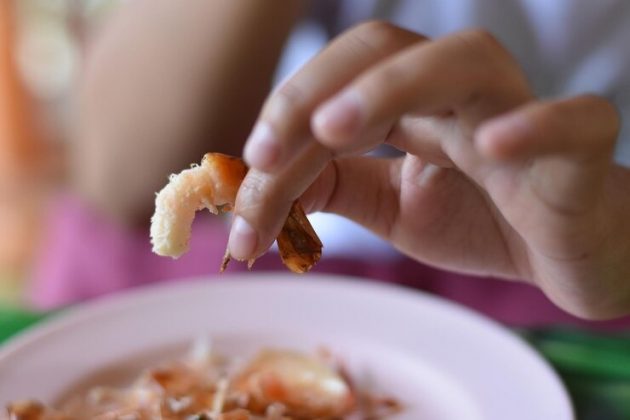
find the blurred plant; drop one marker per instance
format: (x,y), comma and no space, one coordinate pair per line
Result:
(594,367)
(14,320)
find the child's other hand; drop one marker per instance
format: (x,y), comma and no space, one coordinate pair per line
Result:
(494,181)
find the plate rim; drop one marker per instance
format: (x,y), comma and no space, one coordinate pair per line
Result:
(82,312)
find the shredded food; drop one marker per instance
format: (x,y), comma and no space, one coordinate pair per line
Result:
(274,385)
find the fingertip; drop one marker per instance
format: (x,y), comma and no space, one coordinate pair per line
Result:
(243,239)
(338,119)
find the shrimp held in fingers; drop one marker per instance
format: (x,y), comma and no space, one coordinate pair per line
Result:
(213,185)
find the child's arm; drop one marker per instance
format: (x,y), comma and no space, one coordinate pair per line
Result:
(166,82)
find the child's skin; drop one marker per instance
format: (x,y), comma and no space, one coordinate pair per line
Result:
(494,181)
(163,85)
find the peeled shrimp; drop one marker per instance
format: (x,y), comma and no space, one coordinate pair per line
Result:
(307,387)
(30,410)
(213,185)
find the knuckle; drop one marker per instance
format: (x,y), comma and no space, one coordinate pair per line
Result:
(608,110)
(287,103)
(607,118)
(380,79)
(483,39)
(379,34)
(592,121)
(485,48)
(290,93)
(374,29)
(492,64)
(548,112)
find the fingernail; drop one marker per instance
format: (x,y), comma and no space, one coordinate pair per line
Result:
(243,239)
(262,149)
(340,116)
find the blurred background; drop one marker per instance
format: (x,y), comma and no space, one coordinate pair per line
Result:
(42,44)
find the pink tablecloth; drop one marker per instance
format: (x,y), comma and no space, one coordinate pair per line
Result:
(84,255)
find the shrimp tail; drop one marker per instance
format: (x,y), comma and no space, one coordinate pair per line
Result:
(226,260)
(299,246)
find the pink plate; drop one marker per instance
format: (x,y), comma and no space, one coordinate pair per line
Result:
(442,361)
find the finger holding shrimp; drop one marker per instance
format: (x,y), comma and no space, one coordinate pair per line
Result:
(264,200)
(281,146)
(283,128)
(374,79)
(494,181)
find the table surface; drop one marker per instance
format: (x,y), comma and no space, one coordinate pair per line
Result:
(595,367)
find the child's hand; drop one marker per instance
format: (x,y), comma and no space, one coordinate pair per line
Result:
(494,182)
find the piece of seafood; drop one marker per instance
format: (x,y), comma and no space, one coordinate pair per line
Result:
(275,384)
(30,410)
(306,386)
(213,185)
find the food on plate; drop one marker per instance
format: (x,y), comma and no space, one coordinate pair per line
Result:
(304,385)
(213,185)
(273,385)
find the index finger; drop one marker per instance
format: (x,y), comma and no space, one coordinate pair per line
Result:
(468,73)
(283,128)
(284,157)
